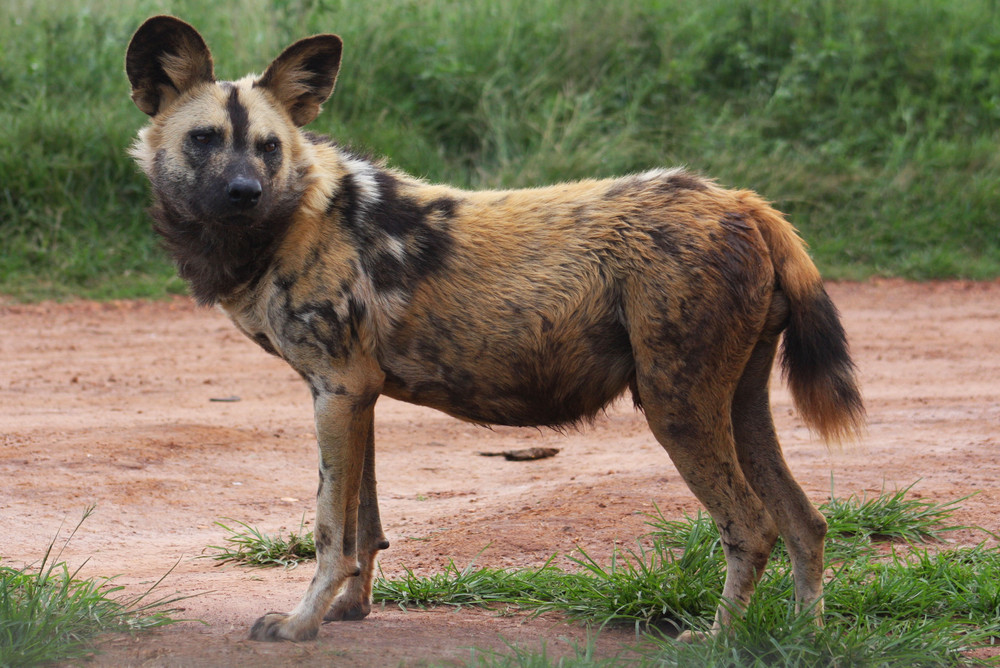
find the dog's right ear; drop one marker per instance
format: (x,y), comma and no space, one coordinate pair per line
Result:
(165,58)
(303,76)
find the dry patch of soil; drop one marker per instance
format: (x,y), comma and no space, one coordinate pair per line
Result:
(111,404)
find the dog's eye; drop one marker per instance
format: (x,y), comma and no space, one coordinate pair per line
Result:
(269,146)
(204,138)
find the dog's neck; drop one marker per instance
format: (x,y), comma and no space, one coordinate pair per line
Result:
(216,260)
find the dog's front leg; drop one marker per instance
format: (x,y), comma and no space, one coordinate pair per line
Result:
(343,425)
(354,601)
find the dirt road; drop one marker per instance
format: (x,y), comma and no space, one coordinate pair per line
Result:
(112,404)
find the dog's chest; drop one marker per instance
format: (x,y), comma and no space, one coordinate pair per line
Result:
(253,323)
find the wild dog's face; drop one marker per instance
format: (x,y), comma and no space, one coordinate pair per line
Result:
(224,158)
(224,155)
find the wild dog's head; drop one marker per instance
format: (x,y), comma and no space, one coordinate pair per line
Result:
(225,159)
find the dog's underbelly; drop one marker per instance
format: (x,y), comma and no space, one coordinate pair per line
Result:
(547,380)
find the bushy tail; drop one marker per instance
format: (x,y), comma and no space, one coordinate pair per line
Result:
(815,358)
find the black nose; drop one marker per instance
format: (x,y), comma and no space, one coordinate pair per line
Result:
(243,192)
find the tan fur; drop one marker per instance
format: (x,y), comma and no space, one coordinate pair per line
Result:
(521,307)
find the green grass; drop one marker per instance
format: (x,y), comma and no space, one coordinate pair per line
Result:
(889,600)
(48,614)
(873,124)
(889,516)
(582,656)
(249,546)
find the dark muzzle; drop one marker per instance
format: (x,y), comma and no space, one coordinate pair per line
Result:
(244,192)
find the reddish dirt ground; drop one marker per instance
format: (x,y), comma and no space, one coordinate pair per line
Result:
(111,404)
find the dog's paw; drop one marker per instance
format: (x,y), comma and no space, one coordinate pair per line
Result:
(276,626)
(343,610)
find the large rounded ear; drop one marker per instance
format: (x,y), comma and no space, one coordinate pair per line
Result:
(165,58)
(302,77)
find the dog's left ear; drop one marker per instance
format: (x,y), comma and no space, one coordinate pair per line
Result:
(302,77)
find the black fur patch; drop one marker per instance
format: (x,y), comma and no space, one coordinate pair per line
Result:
(322,538)
(316,325)
(814,343)
(264,342)
(215,261)
(422,229)
(395,215)
(239,117)
(346,202)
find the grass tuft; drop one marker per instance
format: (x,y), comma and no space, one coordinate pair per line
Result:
(250,546)
(460,587)
(890,517)
(47,613)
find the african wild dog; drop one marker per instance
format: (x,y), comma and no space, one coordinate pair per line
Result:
(522,307)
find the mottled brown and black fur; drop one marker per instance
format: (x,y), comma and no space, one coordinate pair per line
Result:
(523,307)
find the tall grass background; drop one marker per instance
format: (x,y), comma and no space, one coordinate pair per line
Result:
(873,124)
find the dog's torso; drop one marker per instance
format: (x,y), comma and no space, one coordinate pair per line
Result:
(498,307)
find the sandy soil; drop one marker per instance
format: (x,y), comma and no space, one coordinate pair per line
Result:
(112,404)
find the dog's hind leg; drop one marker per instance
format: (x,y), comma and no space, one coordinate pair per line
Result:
(704,455)
(686,381)
(355,600)
(800,523)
